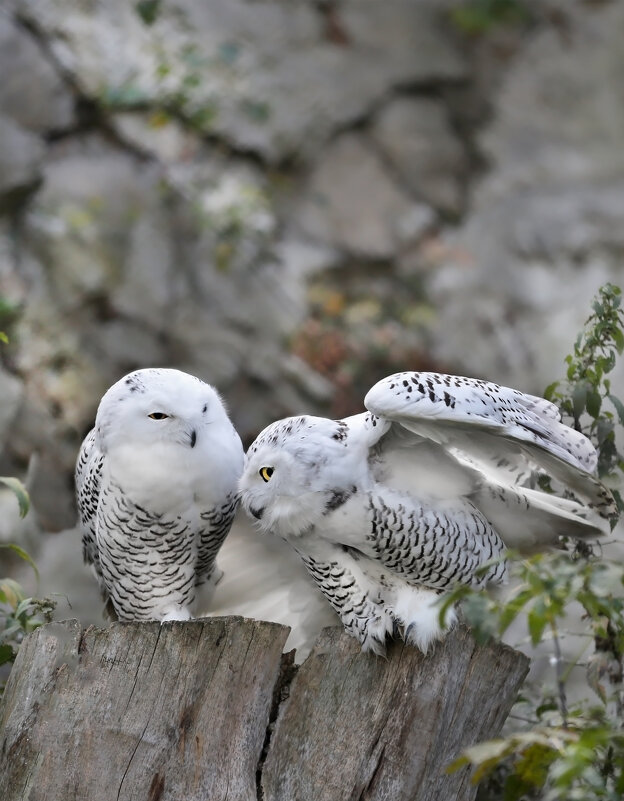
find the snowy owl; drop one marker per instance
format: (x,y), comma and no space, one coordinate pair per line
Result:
(156,486)
(427,488)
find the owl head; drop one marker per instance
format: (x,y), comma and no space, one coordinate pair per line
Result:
(296,471)
(156,405)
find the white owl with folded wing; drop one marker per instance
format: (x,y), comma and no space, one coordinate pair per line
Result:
(156,486)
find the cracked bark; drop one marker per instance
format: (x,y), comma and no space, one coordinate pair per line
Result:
(210,710)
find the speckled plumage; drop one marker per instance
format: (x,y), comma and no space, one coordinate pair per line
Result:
(157,494)
(390,507)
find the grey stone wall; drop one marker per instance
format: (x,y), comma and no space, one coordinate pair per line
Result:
(293,200)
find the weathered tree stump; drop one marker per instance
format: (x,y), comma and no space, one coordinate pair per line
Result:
(204,711)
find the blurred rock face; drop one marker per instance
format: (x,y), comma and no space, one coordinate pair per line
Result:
(291,202)
(544,228)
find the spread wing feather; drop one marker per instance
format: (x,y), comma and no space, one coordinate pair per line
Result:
(473,404)
(500,440)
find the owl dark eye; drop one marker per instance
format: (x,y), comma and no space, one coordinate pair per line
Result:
(265,473)
(158,415)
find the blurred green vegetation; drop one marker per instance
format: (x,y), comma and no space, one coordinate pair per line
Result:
(563,750)
(475,17)
(19,614)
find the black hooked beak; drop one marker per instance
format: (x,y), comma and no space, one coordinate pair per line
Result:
(257,513)
(193,438)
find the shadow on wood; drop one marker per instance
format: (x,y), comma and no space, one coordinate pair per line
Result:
(204,711)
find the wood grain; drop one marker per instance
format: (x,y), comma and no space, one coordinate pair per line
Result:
(358,726)
(139,711)
(189,711)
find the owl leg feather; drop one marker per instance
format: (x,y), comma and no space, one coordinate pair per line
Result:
(417,609)
(355,600)
(174,612)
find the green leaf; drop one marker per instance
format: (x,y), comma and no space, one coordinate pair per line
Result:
(532,766)
(23,607)
(484,756)
(594,402)
(7,654)
(478,612)
(4,338)
(537,622)
(618,406)
(22,554)
(20,492)
(457,764)
(579,398)
(516,789)
(513,608)
(476,18)
(548,706)
(604,429)
(11,592)
(606,364)
(8,633)
(448,600)
(148,10)
(550,390)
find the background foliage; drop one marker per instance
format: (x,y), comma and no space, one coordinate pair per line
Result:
(19,614)
(562,749)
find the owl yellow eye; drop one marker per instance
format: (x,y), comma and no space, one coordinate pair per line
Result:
(265,473)
(158,415)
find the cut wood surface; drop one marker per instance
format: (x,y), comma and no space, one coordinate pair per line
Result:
(139,711)
(359,727)
(186,712)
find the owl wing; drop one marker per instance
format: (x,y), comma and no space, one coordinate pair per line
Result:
(88,478)
(217,523)
(491,443)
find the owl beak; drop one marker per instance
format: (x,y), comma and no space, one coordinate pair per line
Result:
(193,438)
(257,513)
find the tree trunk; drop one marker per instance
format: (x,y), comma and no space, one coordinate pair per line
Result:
(209,710)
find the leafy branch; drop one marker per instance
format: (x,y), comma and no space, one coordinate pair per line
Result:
(19,614)
(566,751)
(585,397)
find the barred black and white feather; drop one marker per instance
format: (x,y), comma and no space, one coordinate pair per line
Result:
(156,487)
(426,489)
